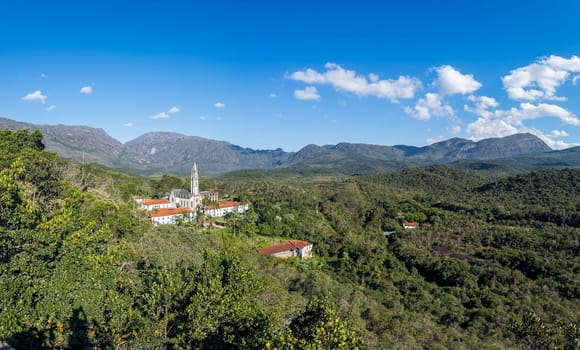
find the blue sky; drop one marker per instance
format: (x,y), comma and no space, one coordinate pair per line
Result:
(290,73)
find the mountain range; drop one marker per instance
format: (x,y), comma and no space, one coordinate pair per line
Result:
(175,153)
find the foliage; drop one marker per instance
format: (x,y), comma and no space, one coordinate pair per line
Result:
(494,264)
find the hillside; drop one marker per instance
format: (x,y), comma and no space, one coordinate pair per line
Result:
(493,265)
(174,153)
(74,142)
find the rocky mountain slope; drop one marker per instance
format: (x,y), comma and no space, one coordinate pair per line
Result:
(174,153)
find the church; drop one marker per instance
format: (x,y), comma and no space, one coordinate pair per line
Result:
(188,199)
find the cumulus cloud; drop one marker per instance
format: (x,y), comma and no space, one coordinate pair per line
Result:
(454,129)
(571,64)
(481,105)
(349,81)
(429,106)
(273,95)
(542,110)
(559,133)
(35,96)
(128,125)
(501,123)
(309,93)
(167,114)
(50,108)
(219,105)
(86,90)
(539,80)
(484,128)
(451,81)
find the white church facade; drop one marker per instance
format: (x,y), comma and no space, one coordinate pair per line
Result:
(187,199)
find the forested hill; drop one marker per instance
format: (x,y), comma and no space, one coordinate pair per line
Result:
(175,153)
(493,265)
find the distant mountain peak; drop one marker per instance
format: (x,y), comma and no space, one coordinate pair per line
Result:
(172,152)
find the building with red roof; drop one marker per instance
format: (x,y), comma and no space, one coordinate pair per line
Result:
(301,249)
(224,208)
(151,204)
(171,215)
(410,225)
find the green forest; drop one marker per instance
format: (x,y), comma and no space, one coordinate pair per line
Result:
(495,263)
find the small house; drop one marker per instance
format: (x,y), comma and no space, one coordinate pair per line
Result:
(301,249)
(410,225)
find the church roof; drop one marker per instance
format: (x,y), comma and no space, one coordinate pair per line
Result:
(180,193)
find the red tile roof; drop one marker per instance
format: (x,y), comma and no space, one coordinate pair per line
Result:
(222,205)
(155,201)
(168,212)
(284,247)
(411,224)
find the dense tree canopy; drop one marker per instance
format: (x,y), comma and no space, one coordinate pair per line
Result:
(494,264)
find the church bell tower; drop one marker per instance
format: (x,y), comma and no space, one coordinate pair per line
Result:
(195,187)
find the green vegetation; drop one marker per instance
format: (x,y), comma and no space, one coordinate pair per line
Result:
(495,263)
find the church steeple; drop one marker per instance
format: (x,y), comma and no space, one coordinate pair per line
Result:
(194,181)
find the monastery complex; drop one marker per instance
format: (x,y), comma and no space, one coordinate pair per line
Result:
(182,205)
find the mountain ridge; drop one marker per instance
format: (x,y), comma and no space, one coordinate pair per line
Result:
(172,152)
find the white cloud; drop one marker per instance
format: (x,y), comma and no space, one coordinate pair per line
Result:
(203,117)
(86,90)
(128,125)
(451,81)
(43,76)
(540,80)
(501,123)
(559,133)
(542,110)
(575,79)
(219,105)
(309,93)
(162,115)
(349,81)
(571,64)
(50,108)
(273,95)
(430,106)
(482,104)
(454,129)
(166,115)
(549,139)
(484,128)
(434,140)
(35,96)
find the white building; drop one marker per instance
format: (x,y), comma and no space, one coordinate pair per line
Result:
(171,216)
(152,204)
(224,208)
